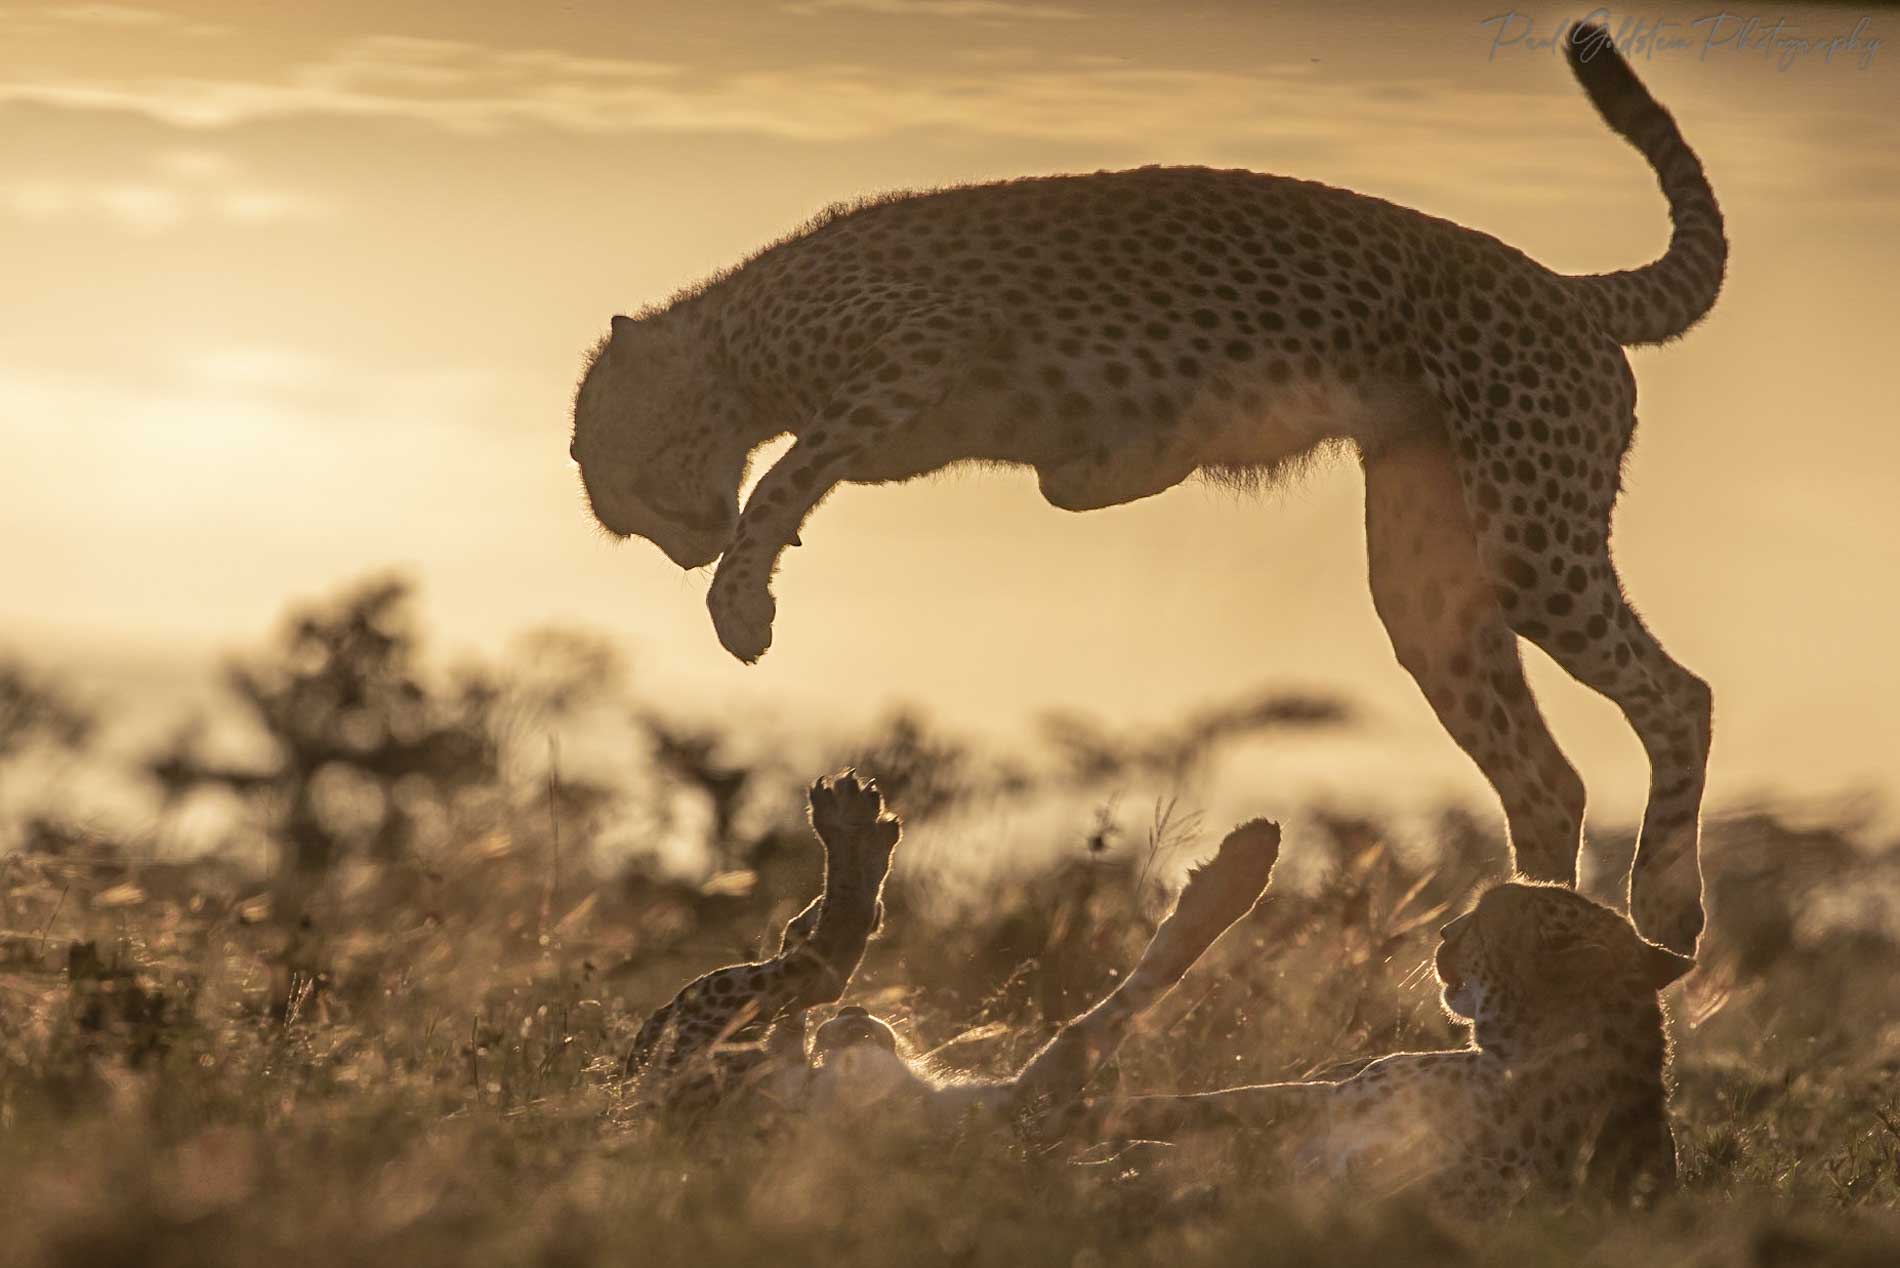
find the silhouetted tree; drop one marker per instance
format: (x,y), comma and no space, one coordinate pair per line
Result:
(357,734)
(691,755)
(36,712)
(924,771)
(1093,756)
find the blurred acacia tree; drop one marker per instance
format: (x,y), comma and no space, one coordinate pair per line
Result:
(361,746)
(39,719)
(1093,756)
(36,712)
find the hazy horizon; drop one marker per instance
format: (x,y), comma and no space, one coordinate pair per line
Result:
(306,299)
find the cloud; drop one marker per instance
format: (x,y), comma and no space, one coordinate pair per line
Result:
(471,88)
(193,163)
(148,207)
(139,206)
(106,15)
(178,185)
(1289,116)
(135,205)
(255,368)
(985,10)
(116,17)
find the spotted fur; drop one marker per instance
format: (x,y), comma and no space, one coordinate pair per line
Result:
(722,1031)
(859,1070)
(742,1027)
(1122,331)
(1561,1090)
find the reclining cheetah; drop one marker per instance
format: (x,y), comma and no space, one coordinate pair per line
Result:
(1122,331)
(1562,1085)
(856,1065)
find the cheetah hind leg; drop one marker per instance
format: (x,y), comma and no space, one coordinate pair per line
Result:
(1217,895)
(1560,590)
(1440,608)
(1109,477)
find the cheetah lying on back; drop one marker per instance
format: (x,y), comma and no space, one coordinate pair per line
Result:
(1122,331)
(734,1029)
(1562,1086)
(739,1031)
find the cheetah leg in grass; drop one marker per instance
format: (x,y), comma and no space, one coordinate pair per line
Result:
(1216,895)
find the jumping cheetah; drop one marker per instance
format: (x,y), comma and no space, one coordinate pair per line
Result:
(1122,331)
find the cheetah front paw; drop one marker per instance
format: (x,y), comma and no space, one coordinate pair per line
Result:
(742,616)
(847,808)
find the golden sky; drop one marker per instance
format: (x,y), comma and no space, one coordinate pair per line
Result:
(300,290)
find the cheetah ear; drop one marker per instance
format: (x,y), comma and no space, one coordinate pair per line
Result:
(1662,966)
(622,324)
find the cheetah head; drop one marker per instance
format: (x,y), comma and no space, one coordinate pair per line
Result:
(1543,951)
(857,1056)
(852,1027)
(660,441)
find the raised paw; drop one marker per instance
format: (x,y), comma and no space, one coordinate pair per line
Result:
(742,615)
(847,809)
(1246,856)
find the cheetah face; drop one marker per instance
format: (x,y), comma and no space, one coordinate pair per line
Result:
(1460,966)
(660,443)
(1542,949)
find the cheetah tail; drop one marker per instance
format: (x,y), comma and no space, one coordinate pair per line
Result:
(1664,298)
(1217,894)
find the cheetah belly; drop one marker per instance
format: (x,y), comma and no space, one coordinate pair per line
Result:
(1296,418)
(1240,423)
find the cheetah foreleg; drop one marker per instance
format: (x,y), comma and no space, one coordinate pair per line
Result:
(908,371)
(740,599)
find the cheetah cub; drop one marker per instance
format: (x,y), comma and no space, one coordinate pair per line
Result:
(729,1031)
(740,1030)
(857,1069)
(1122,331)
